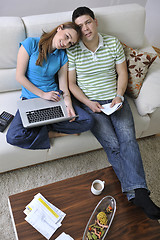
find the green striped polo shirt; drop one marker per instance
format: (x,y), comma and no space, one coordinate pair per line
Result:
(96,72)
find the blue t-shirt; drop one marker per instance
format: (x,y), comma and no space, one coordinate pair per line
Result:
(42,77)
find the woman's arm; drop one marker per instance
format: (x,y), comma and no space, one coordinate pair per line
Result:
(22,63)
(63,85)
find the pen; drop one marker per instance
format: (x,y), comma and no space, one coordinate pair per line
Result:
(60,93)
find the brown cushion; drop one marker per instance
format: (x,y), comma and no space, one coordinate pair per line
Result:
(138,63)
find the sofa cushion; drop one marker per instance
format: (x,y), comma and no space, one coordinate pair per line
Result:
(12,32)
(8,80)
(138,63)
(149,97)
(141,123)
(9,100)
(126,22)
(12,157)
(36,24)
(154,124)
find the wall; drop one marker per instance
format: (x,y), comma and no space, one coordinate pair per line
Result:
(152,30)
(33,7)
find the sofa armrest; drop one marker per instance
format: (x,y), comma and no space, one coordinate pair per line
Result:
(149,98)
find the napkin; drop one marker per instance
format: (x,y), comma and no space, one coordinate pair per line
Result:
(64,236)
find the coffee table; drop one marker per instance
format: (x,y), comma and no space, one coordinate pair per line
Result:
(73,196)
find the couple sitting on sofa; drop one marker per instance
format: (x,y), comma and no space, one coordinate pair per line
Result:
(97,75)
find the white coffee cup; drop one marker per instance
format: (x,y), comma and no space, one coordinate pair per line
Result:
(97,187)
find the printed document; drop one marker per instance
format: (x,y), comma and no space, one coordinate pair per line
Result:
(43,216)
(109,110)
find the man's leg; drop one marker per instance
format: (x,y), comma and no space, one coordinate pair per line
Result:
(118,141)
(117,136)
(128,150)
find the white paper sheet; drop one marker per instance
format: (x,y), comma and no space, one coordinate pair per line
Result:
(109,110)
(64,236)
(42,223)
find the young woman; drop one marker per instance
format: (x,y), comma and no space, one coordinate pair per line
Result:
(38,62)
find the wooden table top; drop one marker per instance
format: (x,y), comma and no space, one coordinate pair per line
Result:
(73,196)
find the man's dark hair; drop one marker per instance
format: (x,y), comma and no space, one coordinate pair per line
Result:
(82,11)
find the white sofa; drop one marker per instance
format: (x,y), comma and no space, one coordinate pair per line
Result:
(127,22)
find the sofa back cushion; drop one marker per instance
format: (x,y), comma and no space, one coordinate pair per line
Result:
(127,22)
(36,24)
(11,33)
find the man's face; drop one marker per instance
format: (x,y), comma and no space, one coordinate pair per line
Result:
(88,27)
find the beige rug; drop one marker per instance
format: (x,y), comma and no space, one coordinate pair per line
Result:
(42,174)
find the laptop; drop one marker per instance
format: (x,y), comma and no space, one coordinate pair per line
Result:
(37,112)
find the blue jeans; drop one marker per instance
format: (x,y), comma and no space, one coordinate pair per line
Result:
(37,138)
(116,133)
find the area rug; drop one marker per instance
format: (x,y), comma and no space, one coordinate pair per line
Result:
(34,176)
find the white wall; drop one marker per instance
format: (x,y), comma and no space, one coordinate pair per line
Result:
(33,7)
(152,30)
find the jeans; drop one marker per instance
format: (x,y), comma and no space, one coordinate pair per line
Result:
(37,137)
(116,134)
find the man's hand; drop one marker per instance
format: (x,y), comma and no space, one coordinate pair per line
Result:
(116,100)
(94,106)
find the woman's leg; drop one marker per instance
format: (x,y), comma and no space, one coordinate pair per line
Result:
(28,138)
(82,123)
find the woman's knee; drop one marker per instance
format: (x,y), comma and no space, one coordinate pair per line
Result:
(10,138)
(14,137)
(84,118)
(89,122)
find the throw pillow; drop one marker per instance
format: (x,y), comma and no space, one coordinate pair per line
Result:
(138,63)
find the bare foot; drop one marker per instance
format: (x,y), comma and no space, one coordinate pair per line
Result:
(56,134)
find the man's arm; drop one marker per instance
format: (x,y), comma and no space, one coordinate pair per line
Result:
(122,81)
(78,93)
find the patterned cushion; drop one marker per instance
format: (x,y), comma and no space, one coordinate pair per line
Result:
(138,63)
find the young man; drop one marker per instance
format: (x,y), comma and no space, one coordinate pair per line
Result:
(98,75)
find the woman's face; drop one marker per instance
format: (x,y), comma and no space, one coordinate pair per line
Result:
(64,38)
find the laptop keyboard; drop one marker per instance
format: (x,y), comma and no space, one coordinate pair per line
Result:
(44,114)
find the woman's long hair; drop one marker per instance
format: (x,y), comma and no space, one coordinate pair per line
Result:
(45,43)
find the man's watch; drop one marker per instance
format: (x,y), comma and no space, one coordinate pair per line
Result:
(121,97)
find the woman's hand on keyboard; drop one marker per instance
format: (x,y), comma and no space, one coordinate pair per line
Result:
(52,96)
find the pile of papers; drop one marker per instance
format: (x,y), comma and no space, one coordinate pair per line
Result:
(43,216)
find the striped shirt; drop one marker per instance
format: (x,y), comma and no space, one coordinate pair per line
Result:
(96,72)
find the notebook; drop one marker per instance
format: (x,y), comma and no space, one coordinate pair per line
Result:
(37,112)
